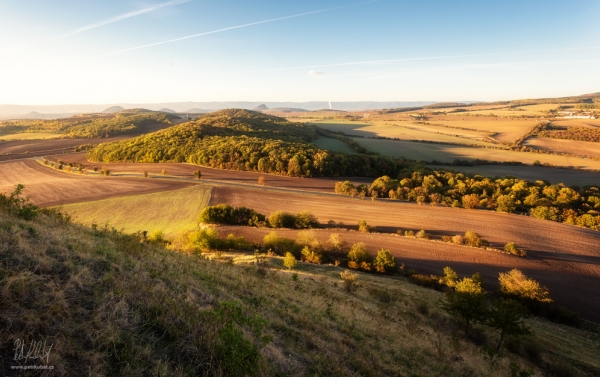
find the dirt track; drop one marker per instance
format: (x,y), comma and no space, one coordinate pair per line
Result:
(48,187)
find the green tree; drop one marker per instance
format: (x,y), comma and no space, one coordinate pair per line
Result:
(358,253)
(466,302)
(385,261)
(506,316)
(289,260)
(506,204)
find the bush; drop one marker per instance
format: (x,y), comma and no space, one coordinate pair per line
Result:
(349,280)
(289,260)
(473,239)
(281,219)
(423,234)
(226,214)
(364,227)
(198,174)
(458,240)
(306,220)
(278,244)
(311,255)
(470,201)
(17,205)
(512,248)
(203,239)
(385,262)
(358,253)
(506,204)
(515,283)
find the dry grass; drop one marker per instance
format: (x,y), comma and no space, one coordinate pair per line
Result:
(31,136)
(574,147)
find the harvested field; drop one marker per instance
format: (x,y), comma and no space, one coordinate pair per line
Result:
(569,177)
(567,286)
(48,187)
(507,130)
(31,136)
(594,123)
(566,250)
(405,131)
(335,145)
(575,147)
(448,153)
(171,212)
(232,176)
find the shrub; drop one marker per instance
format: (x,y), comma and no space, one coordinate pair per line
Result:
(276,243)
(385,262)
(281,219)
(409,233)
(226,214)
(261,180)
(512,248)
(450,277)
(423,234)
(364,227)
(306,220)
(466,303)
(349,280)
(515,283)
(289,260)
(458,239)
(311,255)
(163,172)
(156,236)
(336,243)
(145,174)
(198,174)
(17,205)
(358,253)
(473,239)
(203,239)
(307,238)
(506,204)
(446,239)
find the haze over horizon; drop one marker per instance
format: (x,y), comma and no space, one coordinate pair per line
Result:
(84,52)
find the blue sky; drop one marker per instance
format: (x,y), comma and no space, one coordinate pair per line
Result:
(84,51)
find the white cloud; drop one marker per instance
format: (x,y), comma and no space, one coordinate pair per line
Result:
(315,73)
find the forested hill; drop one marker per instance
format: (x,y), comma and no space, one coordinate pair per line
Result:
(245,140)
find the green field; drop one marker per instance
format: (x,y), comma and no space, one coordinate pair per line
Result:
(170,212)
(448,153)
(30,136)
(334,145)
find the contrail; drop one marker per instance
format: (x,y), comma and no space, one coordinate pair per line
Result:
(125,16)
(231,28)
(367,62)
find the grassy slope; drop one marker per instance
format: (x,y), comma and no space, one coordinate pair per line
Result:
(31,136)
(171,211)
(113,306)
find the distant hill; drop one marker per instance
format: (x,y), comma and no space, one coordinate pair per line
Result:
(240,139)
(286,110)
(165,110)
(113,109)
(195,111)
(33,115)
(261,107)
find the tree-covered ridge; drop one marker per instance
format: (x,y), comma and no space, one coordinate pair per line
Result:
(572,133)
(245,140)
(572,205)
(89,126)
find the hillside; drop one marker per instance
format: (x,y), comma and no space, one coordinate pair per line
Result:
(245,140)
(108,303)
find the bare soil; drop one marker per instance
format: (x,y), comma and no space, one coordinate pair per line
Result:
(48,187)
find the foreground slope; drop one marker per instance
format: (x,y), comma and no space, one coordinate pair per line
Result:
(110,304)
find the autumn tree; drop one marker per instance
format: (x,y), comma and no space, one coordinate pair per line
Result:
(506,316)
(466,302)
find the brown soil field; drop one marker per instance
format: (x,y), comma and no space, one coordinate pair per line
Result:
(17,149)
(575,147)
(560,273)
(48,187)
(233,176)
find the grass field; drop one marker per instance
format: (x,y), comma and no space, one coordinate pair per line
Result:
(532,110)
(448,153)
(404,131)
(595,123)
(335,145)
(507,130)
(575,147)
(30,136)
(170,212)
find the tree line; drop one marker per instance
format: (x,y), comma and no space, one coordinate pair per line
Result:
(571,205)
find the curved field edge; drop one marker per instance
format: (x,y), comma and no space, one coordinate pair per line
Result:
(170,212)
(149,304)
